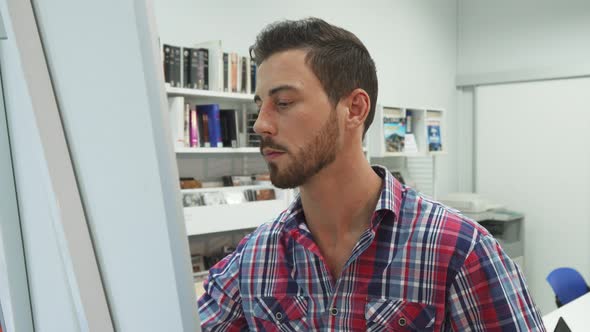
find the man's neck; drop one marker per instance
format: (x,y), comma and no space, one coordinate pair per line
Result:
(339,201)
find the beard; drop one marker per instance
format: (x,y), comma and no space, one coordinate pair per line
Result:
(318,153)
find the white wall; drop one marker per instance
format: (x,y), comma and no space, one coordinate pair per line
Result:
(506,35)
(533,156)
(503,40)
(413,44)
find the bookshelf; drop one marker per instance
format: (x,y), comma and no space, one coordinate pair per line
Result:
(210,163)
(389,134)
(209,94)
(244,150)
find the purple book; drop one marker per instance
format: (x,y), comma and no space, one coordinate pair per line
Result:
(194,129)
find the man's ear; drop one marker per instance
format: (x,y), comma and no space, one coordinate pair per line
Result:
(358,103)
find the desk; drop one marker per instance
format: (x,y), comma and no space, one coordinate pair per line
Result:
(576,314)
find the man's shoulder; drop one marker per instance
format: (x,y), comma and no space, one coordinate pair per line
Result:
(438,221)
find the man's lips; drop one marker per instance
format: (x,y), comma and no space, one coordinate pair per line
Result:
(270,154)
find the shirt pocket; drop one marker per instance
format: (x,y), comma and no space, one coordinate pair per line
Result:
(398,315)
(286,313)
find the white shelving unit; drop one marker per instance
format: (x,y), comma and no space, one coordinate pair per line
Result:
(202,220)
(419,126)
(228,217)
(224,96)
(247,150)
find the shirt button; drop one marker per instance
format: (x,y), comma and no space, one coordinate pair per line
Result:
(402,322)
(333,311)
(279,316)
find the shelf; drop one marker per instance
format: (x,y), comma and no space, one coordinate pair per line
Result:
(229,188)
(217,150)
(221,218)
(243,97)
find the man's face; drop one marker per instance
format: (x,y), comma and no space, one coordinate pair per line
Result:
(298,126)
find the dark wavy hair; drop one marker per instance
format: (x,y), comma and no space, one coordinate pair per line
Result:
(336,56)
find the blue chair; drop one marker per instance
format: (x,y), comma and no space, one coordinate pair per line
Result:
(568,284)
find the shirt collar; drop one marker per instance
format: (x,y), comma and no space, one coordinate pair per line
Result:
(390,199)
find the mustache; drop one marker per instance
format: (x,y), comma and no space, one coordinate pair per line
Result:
(267,142)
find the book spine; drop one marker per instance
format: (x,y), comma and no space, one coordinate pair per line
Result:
(193,129)
(252,77)
(177,67)
(206,139)
(200,70)
(187,121)
(226,72)
(205,59)
(244,75)
(194,66)
(234,72)
(168,64)
(233,129)
(186,66)
(214,125)
(224,128)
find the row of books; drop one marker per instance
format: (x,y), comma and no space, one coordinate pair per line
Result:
(206,66)
(227,181)
(210,198)
(209,126)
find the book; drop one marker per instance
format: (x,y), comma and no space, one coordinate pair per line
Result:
(172,65)
(265,194)
(214,125)
(229,128)
(244,70)
(203,69)
(187,125)
(176,108)
(203,123)
(252,138)
(215,58)
(192,199)
(234,72)
(253,77)
(434,135)
(226,72)
(190,67)
(394,132)
(189,183)
(194,129)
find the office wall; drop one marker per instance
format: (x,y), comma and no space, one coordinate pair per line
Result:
(413,44)
(520,40)
(504,36)
(533,156)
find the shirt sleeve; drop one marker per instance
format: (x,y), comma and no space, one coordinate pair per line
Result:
(220,307)
(489,293)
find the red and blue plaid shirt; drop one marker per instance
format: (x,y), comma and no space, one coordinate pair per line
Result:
(420,266)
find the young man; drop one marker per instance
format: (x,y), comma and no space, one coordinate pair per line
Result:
(357,250)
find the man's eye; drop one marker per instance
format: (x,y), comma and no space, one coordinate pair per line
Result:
(283,104)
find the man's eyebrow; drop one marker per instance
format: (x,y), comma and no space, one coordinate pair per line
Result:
(276,90)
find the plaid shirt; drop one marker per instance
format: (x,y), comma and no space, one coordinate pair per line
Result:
(420,266)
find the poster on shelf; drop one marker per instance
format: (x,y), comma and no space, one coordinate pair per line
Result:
(434,135)
(394,132)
